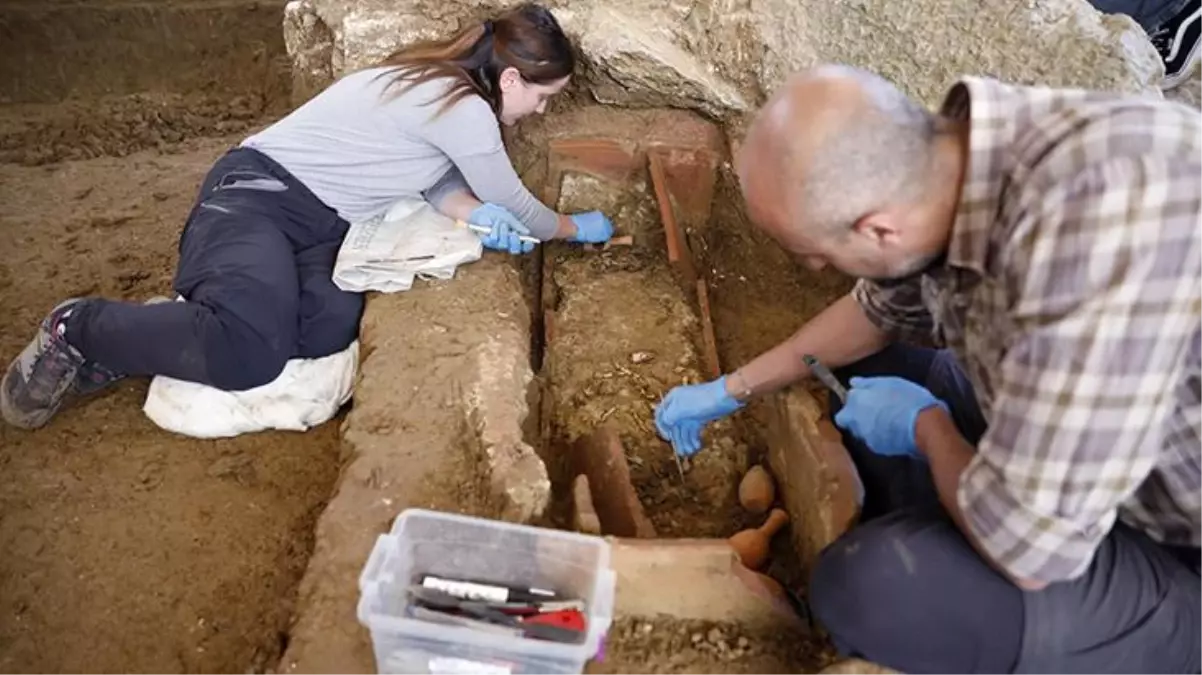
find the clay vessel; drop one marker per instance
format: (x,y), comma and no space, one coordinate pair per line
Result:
(751,544)
(757,490)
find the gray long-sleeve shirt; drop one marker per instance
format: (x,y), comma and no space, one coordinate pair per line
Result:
(359,150)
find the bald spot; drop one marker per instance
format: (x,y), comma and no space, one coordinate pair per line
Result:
(829,145)
(789,128)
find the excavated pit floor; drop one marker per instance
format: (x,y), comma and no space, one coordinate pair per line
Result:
(624,334)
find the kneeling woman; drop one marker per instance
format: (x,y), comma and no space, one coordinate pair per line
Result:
(257,252)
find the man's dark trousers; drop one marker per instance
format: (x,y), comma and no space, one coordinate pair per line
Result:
(906,589)
(256,265)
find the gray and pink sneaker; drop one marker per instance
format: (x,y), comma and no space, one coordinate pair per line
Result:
(40,377)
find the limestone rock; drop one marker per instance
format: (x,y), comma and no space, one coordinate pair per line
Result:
(721,56)
(311,45)
(631,63)
(635,65)
(496,401)
(924,45)
(430,355)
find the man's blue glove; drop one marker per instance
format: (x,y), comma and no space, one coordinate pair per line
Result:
(686,410)
(592,227)
(505,230)
(882,412)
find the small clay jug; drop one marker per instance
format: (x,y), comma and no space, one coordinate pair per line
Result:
(757,490)
(751,544)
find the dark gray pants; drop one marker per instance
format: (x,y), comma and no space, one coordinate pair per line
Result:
(907,590)
(1149,14)
(256,261)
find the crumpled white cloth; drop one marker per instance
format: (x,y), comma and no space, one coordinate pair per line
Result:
(307,393)
(410,240)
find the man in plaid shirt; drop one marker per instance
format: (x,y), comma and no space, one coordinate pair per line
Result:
(1033,486)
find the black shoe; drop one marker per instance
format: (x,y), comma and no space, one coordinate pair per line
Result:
(1177,41)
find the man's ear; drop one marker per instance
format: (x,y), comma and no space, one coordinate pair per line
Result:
(510,78)
(879,228)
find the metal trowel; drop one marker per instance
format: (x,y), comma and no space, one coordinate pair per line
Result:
(825,376)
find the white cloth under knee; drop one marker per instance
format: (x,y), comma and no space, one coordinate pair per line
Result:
(307,393)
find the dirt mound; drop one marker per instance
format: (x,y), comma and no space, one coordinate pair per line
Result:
(33,134)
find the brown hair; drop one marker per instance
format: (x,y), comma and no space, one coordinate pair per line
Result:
(527,38)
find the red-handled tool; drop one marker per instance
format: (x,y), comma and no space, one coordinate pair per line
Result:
(570,619)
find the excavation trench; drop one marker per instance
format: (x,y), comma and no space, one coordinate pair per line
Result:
(615,329)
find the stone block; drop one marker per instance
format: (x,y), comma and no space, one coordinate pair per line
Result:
(924,45)
(436,424)
(310,43)
(816,480)
(495,398)
(634,63)
(720,57)
(695,579)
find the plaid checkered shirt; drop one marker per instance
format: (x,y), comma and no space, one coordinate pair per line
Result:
(1072,295)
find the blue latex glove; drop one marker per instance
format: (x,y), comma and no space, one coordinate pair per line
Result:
(592,227)
(882,412)
(505,229)
(686,410)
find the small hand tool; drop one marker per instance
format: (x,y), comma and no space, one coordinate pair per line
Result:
(569,619)
(825,376)
(480,229)
(485,591)
(679,463)
(558,627)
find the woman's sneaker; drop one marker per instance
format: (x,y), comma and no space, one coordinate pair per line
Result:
(1177,41)
(37,380)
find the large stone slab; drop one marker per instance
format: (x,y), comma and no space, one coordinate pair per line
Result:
(437,423)
(817,480)
(694,579)
(721,56)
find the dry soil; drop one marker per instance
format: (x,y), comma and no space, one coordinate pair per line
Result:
(127,548)
(624,334)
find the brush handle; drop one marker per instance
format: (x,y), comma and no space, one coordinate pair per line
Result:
(480,229)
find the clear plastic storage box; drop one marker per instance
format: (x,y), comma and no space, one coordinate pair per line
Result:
(454,546)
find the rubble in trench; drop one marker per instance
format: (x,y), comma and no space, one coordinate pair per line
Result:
(623,335)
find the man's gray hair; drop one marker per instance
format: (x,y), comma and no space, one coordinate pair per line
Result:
(879,155)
